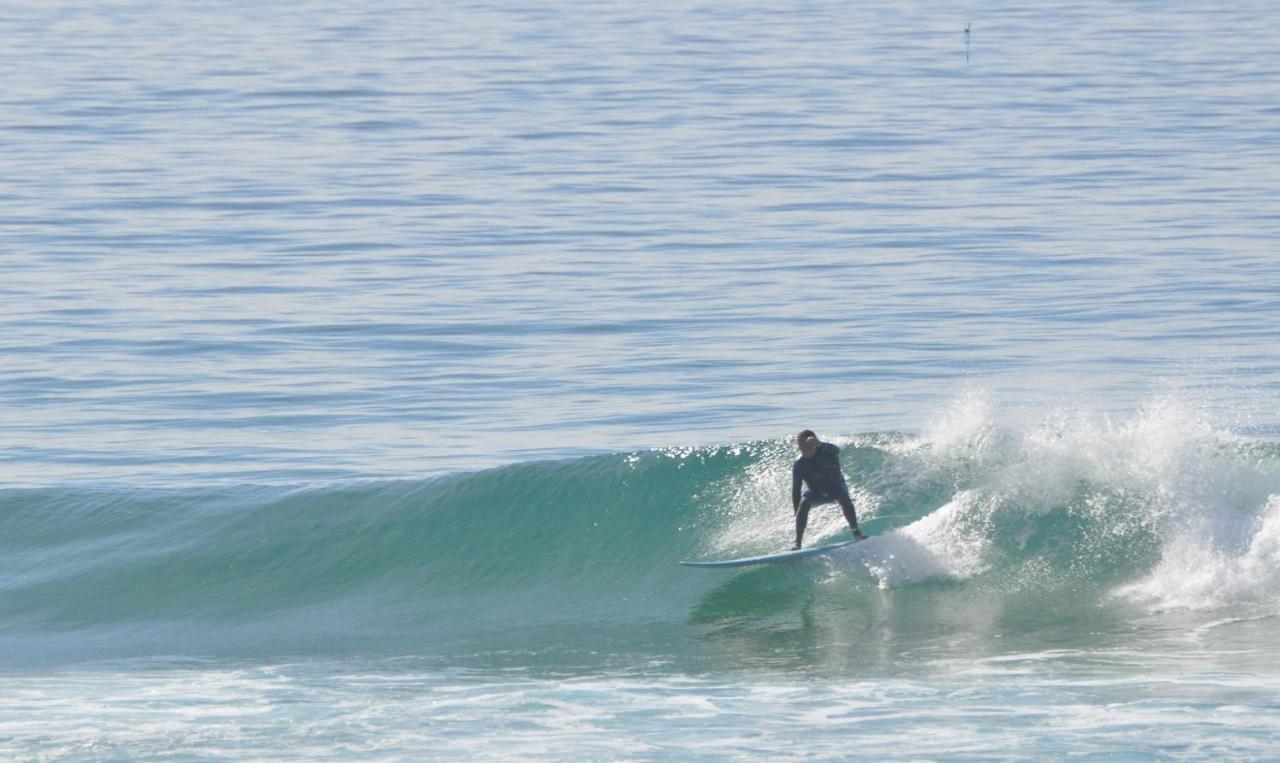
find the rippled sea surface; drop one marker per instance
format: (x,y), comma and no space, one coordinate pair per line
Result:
(307,285)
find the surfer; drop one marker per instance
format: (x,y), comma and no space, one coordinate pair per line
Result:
(819,468)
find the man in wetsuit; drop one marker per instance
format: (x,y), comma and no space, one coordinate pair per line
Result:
(819,468)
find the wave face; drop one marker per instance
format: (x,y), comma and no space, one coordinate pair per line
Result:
(1104,518)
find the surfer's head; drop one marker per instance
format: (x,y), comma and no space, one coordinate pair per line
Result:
(807,442)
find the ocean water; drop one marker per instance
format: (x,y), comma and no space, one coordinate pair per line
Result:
(366,369)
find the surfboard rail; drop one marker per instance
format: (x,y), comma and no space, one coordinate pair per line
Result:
(784,556)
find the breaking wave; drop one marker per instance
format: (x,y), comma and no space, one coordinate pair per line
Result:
(1158,510)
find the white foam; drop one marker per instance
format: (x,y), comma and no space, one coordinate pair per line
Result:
(931,548)
(1196,572)
(1210,496)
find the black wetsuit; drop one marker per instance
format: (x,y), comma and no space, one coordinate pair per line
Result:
(821,472)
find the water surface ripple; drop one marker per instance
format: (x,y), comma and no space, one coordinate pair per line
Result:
(310,239)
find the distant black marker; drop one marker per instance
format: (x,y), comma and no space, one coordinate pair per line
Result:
(966,42)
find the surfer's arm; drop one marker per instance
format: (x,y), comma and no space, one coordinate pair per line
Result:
(795,489)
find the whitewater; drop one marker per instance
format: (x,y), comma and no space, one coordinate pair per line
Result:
(366,371)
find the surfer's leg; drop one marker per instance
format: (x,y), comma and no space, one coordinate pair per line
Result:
(850,516)
(802,519)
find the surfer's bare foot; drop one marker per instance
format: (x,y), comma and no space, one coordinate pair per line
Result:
(857,535)
(796,547)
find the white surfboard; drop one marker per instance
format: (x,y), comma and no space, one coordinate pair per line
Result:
(785,556)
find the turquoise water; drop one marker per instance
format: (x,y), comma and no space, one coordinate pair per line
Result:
(367,371)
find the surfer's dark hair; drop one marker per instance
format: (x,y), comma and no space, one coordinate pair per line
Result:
(804,435)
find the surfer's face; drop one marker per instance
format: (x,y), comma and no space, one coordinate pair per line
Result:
(808,446)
